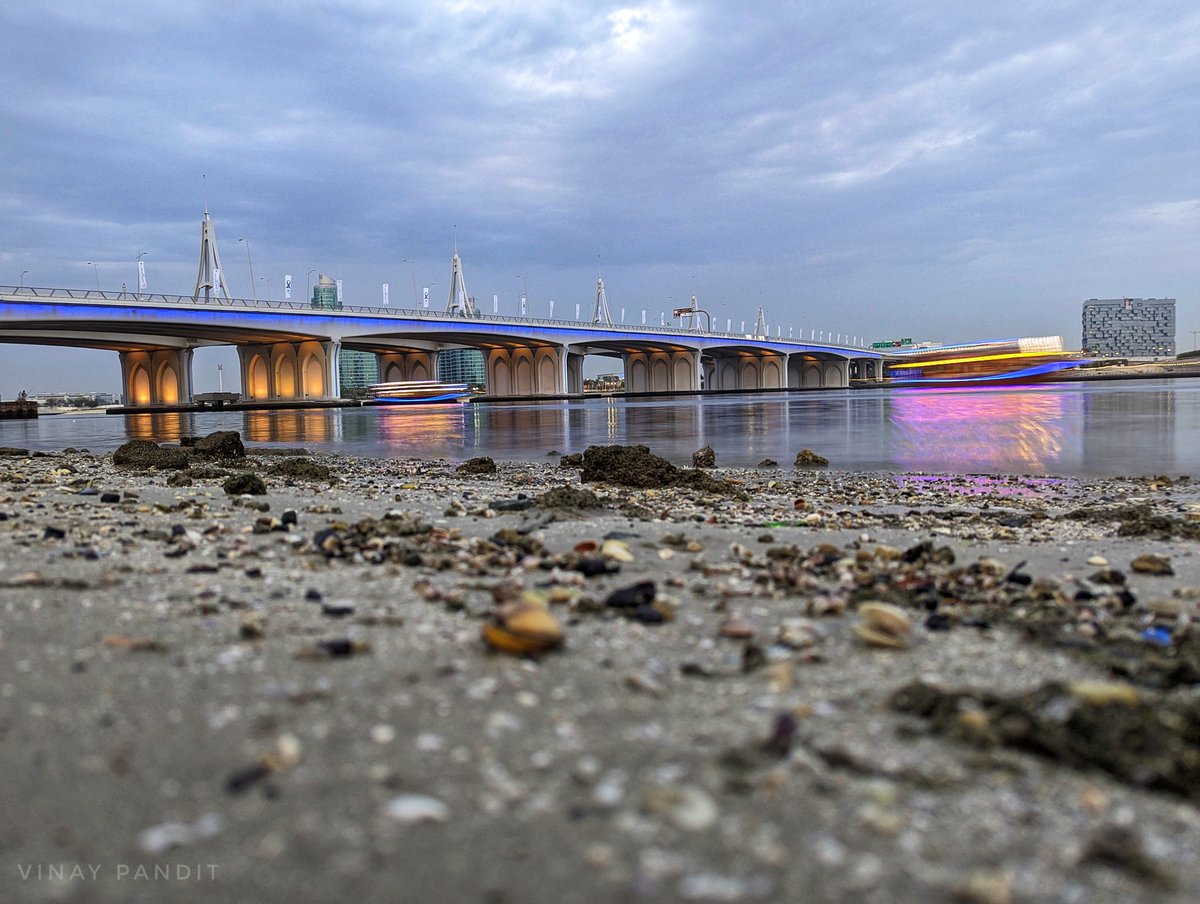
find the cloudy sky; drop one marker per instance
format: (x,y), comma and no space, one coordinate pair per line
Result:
(941,170)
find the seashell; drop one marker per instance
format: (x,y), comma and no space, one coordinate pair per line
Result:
(887,618)
(617,550)
(411,808)
(689,807)
(584,546)
(1151,563)
(1097,560)
(523,628)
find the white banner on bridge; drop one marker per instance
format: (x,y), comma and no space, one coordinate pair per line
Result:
(425,298)
(217,280)
(551,308)
(385,295)
(576,310)
(287,286)
(339,293)
(141,274)
(495,304)
(522,305)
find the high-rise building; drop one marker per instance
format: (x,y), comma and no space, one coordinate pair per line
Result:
(358,369)
(1129,327)
(461,365)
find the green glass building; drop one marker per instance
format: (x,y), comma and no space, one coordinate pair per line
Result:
(358,369)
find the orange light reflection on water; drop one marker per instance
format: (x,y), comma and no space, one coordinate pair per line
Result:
(419,427)
(1001,429)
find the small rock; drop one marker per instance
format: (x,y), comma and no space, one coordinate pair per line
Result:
(1150,563)
(480,466)
(244,484)
(704,458)
(807,458)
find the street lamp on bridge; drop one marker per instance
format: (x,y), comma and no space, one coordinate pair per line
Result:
(268,281)
(308,283)
(96,270)
(250,261)
(23,272)
(141,274)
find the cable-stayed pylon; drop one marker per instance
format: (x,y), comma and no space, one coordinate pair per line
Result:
(209,275)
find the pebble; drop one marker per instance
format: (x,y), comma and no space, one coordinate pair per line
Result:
(414,808)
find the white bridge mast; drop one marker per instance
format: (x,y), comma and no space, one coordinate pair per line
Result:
(459,302)
(600,314)
(209,275)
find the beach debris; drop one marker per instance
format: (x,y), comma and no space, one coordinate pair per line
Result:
(481,466)
(704,458)
(142,454)
(639,594)
(1139,738)
(283,756)
(768,463)
(134,644)
(244,484)
(524,627)
(221,444)
(638,467)
(335,648)
(883,625)
(299,468)
(568,497)
(807,458)
(617,550)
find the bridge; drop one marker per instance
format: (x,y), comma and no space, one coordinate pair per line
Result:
(288,350)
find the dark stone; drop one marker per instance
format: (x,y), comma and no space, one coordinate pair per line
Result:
(180,479)
(481,466)
(144,454)
(301,468)
(704,458)
(648,615)
(937,622)
(313,595)
(338,611)
(10,451)
(244,484)
(511,505)
(110,497)
(222,444)
(593,566)
(289,516)
(574,460)
(768,463)
(53,533)
(338,646)
(639,594)
(630,466)
(244,778)
(807,458)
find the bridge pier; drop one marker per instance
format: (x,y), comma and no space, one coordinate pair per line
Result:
(156,377)
(527,371)
(746,370)
(662,371)
(282,371)
(807,371)
(395,367)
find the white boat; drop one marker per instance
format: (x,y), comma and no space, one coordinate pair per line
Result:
(415,392)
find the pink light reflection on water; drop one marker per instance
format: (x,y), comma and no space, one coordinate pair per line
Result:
(1014,429)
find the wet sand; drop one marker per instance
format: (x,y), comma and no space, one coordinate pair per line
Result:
(287,695)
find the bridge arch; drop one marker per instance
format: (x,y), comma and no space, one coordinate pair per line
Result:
(258,378)
(314,376)
(285,376)
(166,385)
(139,385)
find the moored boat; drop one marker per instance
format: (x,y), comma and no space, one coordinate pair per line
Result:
(983,363)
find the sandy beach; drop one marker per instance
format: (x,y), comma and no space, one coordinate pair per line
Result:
(265,677)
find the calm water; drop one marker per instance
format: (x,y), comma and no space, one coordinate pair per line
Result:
(1132,427)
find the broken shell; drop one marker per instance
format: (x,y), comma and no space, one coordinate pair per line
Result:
(1104,693)
(887,618)
(584,546)
(617,550)
(1097,560)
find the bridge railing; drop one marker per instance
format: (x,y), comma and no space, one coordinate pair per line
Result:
(144,298)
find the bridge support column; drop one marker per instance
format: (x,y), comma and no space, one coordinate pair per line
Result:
(158,377)
(284,371)
(540,370)
(395,367)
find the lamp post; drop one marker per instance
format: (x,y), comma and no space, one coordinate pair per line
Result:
(308,283)
(250,261)
(96,270)
(23,272)
(220,378)
(267,279)
(412,269)
(140,279)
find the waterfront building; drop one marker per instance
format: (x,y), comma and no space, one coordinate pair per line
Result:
(1129,327)
(461,365)
(358,369)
